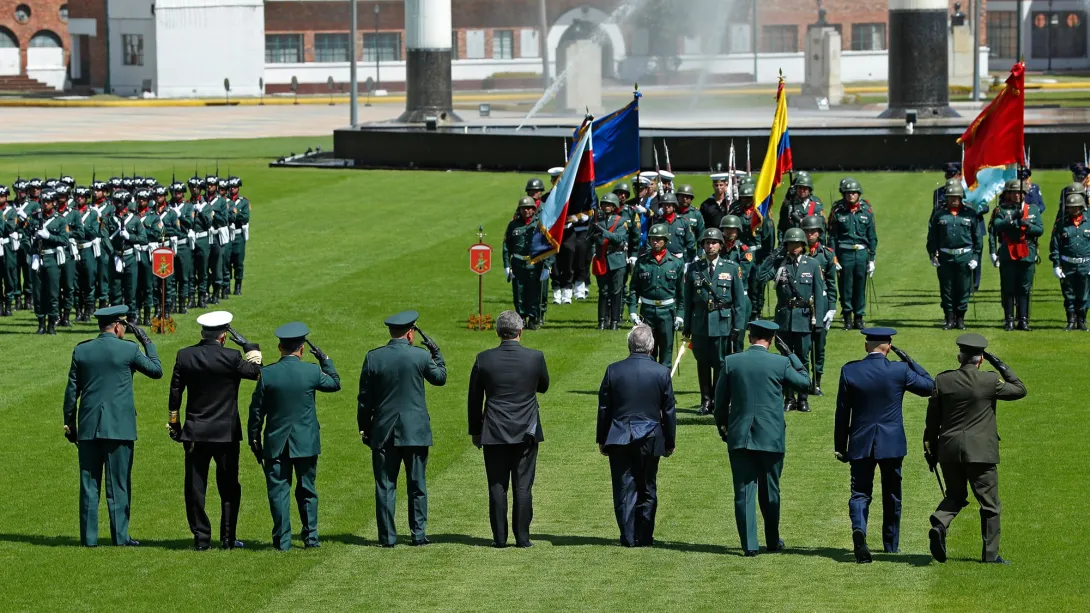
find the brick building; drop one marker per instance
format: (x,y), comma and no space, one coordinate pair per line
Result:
(33,44)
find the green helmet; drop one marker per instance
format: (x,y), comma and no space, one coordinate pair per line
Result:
(1014,185)
(731,222)
(623,187)
(610,199)
(668,198)
(812,222)
(535,185)
(1074,200)
(849,184)
(527,202)
(659,230)
(954,187)
(1076,188)
(711,234)
(794,235)
(844,182)
(748,180)
(746,190)
(686,190)
(802,179)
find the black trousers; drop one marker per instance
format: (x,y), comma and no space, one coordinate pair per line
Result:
(572,261)
(506,466)
(198,455)
(634,469)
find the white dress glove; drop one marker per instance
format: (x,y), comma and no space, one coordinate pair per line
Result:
(995,260)
(642,210)
(935,261)
(544,274)
(678,323)
(838,266)
(829,315)
(635,319)
(1059,272)
(507,271)
(22,215)
(632,261)
(584,217)
(870,268)
(686,270)
(973,264)
(43,233)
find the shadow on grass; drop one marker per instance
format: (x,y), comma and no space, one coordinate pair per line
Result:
(595,393)
(572,540)
(41,540)
(847,557)
(695,421)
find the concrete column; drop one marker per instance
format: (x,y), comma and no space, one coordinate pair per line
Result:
(918,72)
(427,61)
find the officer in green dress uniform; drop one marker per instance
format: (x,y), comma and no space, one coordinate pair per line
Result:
(50,251)
(100,419)
(682,241)
(611,236)
(1079,176)
(814,227)
(283,406)
(168,224)
(208,251)
(751,422)
(686,209)
(737,251)
(799,203)
(177,224)
(393,420)
(962,437)
(221,243)
(30,216)
(202,242)
(1070,254)
(715,306)
(525,277)
(68,295)
(104,209)
(8,261)
(126,232)
(1012,238)
(800,302)
(759,237)
(853,237)
(240,232)
(953,245)
(86,236)
(146,295)
(657,287)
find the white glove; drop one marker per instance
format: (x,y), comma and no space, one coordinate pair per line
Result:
(43,233)
(584,217)
(973,264)
(544,274)
(22,215)
(678,323)
(870,268)
(995,260)
(1059,272)
(632,261)
(838,266)
(507,271)
(35,262)
(642,210)
(829,315)
(124,234)
(635,319)
(686,268)
(935,261)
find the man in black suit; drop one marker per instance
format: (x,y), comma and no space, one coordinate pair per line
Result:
(210,374)
(636,427)
(504,420)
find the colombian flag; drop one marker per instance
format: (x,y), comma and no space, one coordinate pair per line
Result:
(574,190)
(777,158)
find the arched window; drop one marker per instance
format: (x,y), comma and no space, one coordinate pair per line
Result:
(45,38)
(7,39)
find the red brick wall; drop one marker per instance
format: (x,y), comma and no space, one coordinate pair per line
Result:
(44,15)
(94,9)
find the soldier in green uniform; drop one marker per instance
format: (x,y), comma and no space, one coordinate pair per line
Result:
(283,406)
(854,239)
(393,420)
(1070,254)
(103,210)
(85,232)
(50,250)
(168,223)
(953,245)
(177,225)
(1080,175)
(750,422)
(526,278)
(1012,238)
(681,242)
(202,238)
(962,437)
(9,259)
(100,419)
(737,251)
(29,216)
(611,236)
(224,212)
(800,301)
(68,297)
(146,296)
(220,235)
(714,306)
(240,232)
(657,286)
(759,237)
(799,203)
(126,231)
(685,209)
(814,227)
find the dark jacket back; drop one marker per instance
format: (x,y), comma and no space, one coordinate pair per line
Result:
(209,374)
(503,389)
(636,401)
(869,419)
(961,414)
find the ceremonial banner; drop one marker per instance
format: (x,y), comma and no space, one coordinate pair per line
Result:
(574,189)
(617,144)
(162,263)
(777,157)
(480,258)
(994,144)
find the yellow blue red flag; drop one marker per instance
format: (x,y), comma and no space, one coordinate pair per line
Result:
(777,158)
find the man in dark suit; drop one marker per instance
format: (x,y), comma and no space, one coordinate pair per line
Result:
(209,374)
(504,420)
(636,427)
(870,432)
(962,436)
(749,415)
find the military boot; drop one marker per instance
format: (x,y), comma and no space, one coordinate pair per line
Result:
(847,321)
(63,321)
(704,380)
(238,287)
(1081,320)
(201,301)
(41,326)
(215,299)
(225,291)
(1070,321)
(614,325)
(1023,313)
(193,302)
(948,323)
(6,312)
(147,317)
(815,387)
(859,324)
(103,303)
(602,324)
(1008,314)
(959,323)
(788,402)
(52,330)
(182,309)
(803,404)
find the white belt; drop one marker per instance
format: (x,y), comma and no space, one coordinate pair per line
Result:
(245,231)
(224,235)
(857,247)
(56,251)
(4,241)
(200,235)
(74,247)
(667,302)
(93,245)
(127,252)
(14,241)
(1074,260)
(957,251)
(151,247)
(140,247)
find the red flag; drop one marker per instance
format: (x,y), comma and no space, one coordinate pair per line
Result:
(996,137)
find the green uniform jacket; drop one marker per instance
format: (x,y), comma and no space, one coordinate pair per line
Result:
(848,228)
(739,253)
(105,212)
(612,243)
(133,226)
(172,225)
(516,243)
(652,280)
(1006,229)
(794,209)
(804,308)
(1071,241)
(187,215)
(75,228)
(762,241)
(26,226)
(88,226)
(100,382)
(58,234)
(749,398)
(714,298)
(284,402)
(961,424)
(696,221)
(826,259)
(682,243)
(153,228)
(391,399)
(241,213)
(949,231)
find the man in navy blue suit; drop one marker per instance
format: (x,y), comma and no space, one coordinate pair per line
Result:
(870,432)
(636,427)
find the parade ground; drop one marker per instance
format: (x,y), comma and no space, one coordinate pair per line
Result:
(341,250)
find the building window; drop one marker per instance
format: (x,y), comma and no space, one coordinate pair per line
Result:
(869,36)
(474,44)
(22,13)
(1002,34)
(45,38)
(330,47)
(779,39)
(1061,34)
(386,46)
(503,44)
(7,39)
(283,48)
(132,49)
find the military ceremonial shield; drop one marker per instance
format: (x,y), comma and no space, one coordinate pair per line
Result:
(480,258)
(162,263)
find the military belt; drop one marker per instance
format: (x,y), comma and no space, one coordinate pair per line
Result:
(957,251)
(524,258)
(1074,260)
(127,252)
(857,247)
(4,241)
(52,251)
(667,302)
(200,235)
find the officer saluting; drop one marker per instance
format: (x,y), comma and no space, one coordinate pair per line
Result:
(393,420)
(209,374)
(283,403)
(962,437)
(104,425)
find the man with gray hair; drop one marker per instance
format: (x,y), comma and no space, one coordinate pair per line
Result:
(504,420)
(636,427)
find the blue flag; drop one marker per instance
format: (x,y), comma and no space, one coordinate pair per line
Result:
(616,144)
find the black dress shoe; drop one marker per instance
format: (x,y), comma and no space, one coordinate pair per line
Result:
(803,406)
(201,547)
(937,537)
(526,545)
(614,325)
(750,554)
(862,552)
(496,545)
(997,560)
(313,546)
(778,548)
(232,544)
(789,405)
(131,543)
(389,545)
(420,543)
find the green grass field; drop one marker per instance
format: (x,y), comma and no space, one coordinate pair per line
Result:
(340,250)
